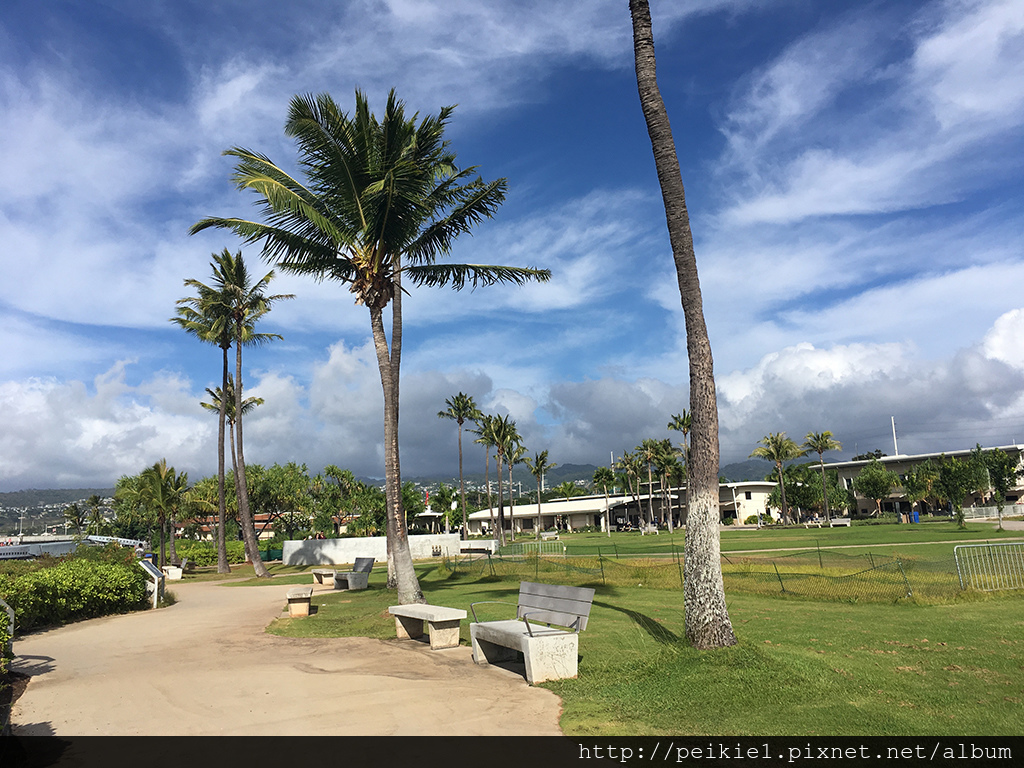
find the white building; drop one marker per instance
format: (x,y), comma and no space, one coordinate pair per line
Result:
(736,500)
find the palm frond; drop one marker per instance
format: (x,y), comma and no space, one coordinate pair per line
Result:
(460,275)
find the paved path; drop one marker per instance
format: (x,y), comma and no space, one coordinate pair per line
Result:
(206,667)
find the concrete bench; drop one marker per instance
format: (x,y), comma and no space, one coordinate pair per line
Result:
(813,523)
(443,623)
(299,600)
(548,535)
(324,576)
(840,522)
(546,631)
(358,577)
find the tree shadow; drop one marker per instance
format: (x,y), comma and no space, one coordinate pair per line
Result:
(658,632)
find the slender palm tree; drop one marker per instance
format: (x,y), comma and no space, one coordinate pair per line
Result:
(485,436)
(539,466)
(707,617)
(381,201)
(218,402)
(506,440)
(778,449)
(461,409)
(604,478)
(665,461)
(683,422)
(648,451)
(820,443)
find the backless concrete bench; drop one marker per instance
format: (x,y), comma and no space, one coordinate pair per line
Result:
(299,599)
(838,522)
(443,623)
(550,651)
(324,576)
(358,577)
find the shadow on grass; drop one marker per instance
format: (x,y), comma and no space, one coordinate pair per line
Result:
(657,632)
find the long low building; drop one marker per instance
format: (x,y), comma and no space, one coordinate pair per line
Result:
(622,512)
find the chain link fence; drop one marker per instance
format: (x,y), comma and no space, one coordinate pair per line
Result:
(818,574)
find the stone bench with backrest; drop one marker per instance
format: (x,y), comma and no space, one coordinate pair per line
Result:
(358,577)
(546,629)
(299,600)
(442,623)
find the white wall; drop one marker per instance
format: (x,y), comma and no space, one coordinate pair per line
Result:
(342,551)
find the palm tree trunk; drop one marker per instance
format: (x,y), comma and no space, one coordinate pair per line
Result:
(824,489)
(401,575)
(707,617)
(487,482)
(782,495)
(252,547)
(222,547)
(501,508)
(462,491)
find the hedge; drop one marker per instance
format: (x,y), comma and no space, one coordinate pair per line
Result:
(78,587)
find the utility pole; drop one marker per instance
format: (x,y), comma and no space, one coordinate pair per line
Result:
(895,447)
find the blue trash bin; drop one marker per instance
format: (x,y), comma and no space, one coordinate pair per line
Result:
(915,517)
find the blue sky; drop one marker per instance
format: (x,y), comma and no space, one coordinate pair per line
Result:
(853,174)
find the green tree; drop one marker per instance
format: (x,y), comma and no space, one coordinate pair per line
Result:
(382,200)
(75,517)
(707,617)
(918,482)
(225,313)
(778,449)
(821,443)
(485,437)
(160,489)
(875,482)
(461,408)
(1003,472)
(958,478)
(539,466)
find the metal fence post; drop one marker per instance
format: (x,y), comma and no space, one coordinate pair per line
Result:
(910,592)
(781,584)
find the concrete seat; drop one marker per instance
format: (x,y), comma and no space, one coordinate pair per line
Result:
(299,600)
(443,623)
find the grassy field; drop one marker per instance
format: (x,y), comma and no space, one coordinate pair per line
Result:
(952,667)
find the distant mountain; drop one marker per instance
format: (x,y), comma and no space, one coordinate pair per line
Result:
(751,469)
(40,497)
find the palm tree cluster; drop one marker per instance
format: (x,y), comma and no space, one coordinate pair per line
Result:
(225,313)
(380,202)
(779,449)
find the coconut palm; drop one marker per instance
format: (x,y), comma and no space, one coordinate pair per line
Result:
(707,617)
(666,461)
(74,517)
(820,443)
(485,436)
(160,489)
(461,409)
(647,452)
(778,449)
(227,404)
(381,201)
(506,440)
(539,466)
(604,478)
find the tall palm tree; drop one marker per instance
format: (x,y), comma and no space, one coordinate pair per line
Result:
(648,451)
(485,436)
(665,461)
(820,443)
(604,478)
(707,617)
(778,449)
(381,201)
(683,422)
(539,466)
(506,440)
(461,409)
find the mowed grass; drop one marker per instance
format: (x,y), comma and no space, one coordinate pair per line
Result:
(800,667)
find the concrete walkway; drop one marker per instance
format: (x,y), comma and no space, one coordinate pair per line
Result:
(205,667)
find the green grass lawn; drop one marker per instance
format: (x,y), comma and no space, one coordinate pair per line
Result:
(800,668)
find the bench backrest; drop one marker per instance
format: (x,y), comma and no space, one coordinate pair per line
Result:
(363,565)
(556,604)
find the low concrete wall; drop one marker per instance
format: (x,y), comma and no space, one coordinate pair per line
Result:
(341,551)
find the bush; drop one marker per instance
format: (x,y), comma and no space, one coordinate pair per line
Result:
(204,553)
(752,520)
(729,521)
(96,583)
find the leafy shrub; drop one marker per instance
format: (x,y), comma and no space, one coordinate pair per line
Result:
(204,553)
(729,521)
(95,583)
(752,520)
